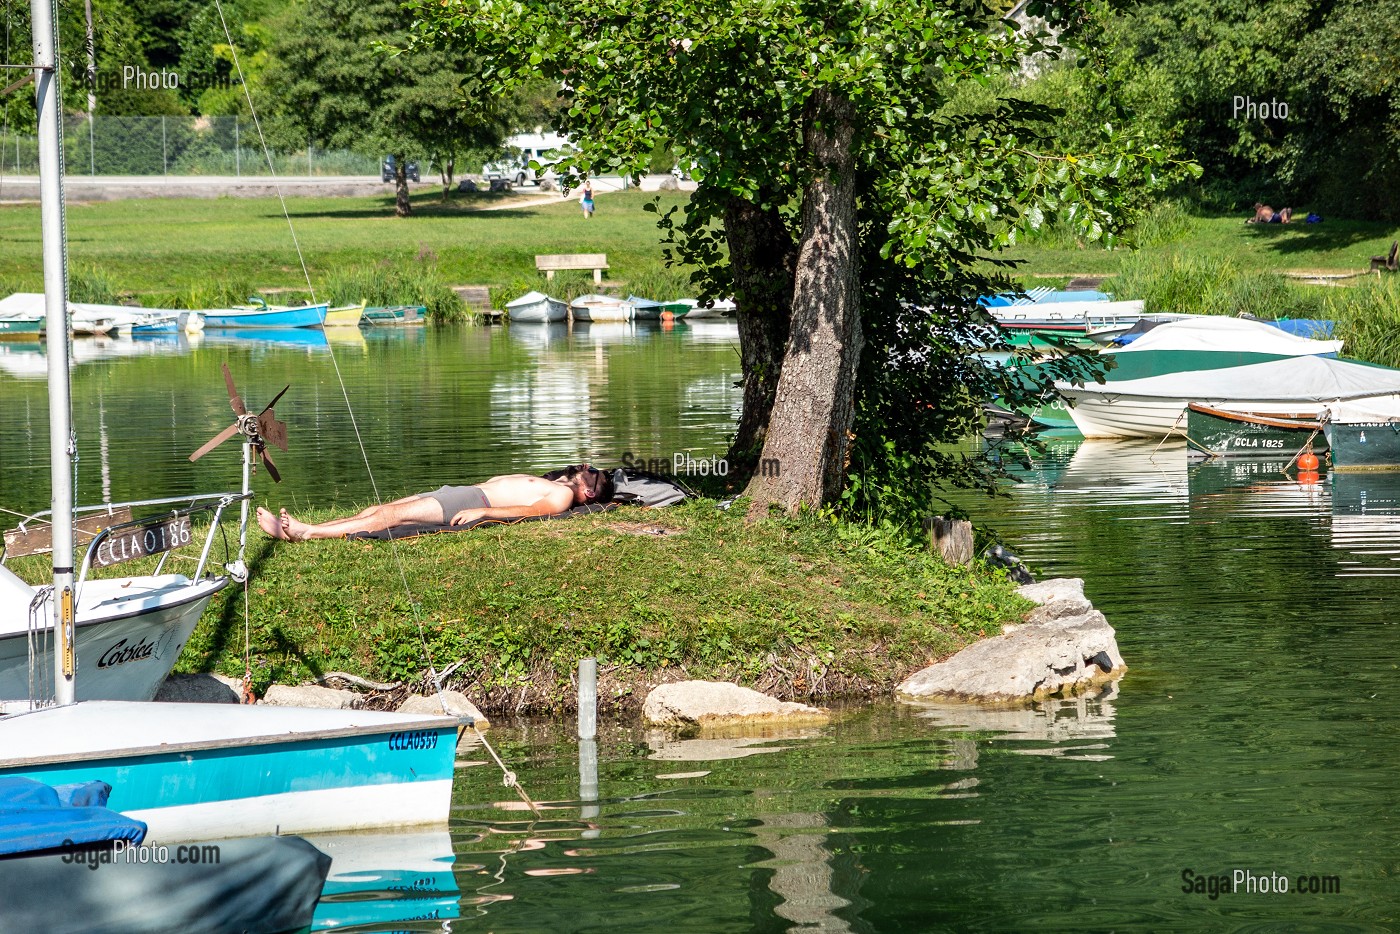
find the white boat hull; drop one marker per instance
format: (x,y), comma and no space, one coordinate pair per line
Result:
(544,311)
(1109,415)
(129,634)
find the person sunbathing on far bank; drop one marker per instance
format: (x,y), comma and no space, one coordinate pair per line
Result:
(512,496)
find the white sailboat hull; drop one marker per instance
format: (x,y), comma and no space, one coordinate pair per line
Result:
(129,634)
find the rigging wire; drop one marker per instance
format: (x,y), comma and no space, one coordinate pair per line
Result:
(510,777)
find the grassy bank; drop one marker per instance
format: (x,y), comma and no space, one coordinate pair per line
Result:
(800,608)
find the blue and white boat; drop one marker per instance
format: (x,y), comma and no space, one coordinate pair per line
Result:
(204,771)
(267,316)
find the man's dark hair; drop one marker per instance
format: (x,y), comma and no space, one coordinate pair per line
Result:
(598,482)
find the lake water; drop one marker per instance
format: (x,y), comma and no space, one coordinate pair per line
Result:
(1256,731)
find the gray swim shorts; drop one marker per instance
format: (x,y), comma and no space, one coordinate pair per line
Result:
(453,499)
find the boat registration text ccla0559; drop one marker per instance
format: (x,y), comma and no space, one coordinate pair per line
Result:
(413,739)
(149,539)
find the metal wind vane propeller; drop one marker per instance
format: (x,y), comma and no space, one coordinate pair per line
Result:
(260,429)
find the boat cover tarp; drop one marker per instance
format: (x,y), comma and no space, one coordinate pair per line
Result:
(1208,332)
(255,884)
(1300,379)
(1382,409)
(36,817)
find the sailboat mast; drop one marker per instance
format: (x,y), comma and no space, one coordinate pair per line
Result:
(48,103)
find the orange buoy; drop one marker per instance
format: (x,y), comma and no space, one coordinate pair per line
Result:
(1307,461)
(1309,477)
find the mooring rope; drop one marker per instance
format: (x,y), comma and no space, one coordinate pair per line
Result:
(509,778)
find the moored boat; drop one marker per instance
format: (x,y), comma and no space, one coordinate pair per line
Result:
(594,307)
(394,315)
(203,771)
(645,309)
(1215,432)
(1192,344)
(1364,434)
(345,316)
(271,316)
(536,307)
(1155,406)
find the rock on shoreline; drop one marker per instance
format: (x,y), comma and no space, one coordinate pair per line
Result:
(1064,647)
(690,705)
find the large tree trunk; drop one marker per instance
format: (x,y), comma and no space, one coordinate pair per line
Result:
(804,454)
(761,257)
(402,206)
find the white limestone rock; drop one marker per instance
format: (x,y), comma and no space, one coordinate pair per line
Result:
(690,705)
(206,688)
(1064,647)
(311,695)
(457,706)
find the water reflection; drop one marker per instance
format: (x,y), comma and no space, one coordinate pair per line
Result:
(29,360)
(1366,523)
(430,406)
(1066,722)
(386,879)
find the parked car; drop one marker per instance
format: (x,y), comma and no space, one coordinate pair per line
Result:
(387,170)
(514,173)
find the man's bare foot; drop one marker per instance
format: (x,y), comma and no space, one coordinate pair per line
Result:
(270,524)
(294,530)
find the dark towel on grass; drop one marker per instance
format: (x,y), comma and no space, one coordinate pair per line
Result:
(413,531)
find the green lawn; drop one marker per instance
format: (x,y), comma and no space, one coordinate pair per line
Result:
(1332,246)
(170,245)
(165,246)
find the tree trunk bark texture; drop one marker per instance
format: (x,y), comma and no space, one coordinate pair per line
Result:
(804,454)
(402,206)
(761,256)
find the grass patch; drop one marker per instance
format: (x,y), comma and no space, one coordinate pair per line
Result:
(803,609)
(1368,318)
(163,248)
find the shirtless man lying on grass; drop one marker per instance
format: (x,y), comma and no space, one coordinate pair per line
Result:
(512,496)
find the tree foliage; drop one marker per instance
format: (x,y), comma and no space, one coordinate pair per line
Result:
(838,201)
(1334,63)
(339,82)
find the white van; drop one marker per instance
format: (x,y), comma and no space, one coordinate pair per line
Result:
(543,148)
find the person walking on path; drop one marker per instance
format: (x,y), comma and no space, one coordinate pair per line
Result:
(587,199)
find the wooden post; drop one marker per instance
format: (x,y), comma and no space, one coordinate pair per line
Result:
(951,538)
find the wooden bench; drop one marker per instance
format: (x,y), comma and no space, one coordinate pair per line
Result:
(550,264)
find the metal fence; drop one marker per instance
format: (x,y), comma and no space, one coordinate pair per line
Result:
(110,145)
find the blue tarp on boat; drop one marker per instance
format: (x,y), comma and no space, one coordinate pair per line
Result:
(36,817)
(1043,295)
(1315,328)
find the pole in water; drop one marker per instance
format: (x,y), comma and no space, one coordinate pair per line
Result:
(587,698)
